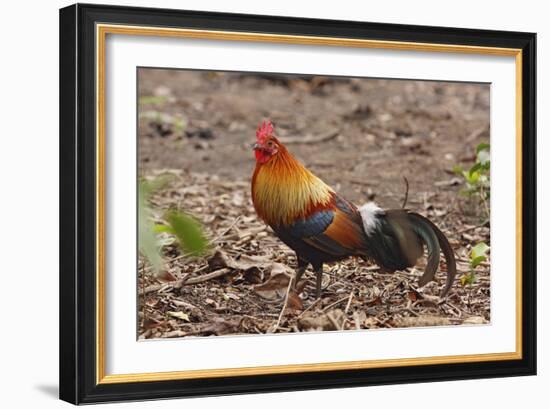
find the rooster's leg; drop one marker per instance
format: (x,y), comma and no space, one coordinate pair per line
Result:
(319,281)
(302,266)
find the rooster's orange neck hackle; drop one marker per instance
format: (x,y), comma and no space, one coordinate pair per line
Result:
(283,190)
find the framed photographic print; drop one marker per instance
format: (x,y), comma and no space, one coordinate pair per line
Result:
(258,203)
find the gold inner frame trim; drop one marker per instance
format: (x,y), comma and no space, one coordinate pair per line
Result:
(101,33)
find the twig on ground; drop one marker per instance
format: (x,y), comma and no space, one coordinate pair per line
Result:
(347,309)
(483,224)
(284,306)
(189,306)
(406,193)
(156,287)
(201,279)
(227,230)
(349,301)
(175,334)
(356,321)
(328,307)
(363,182)
(186,281)
(313,304)
(333,321)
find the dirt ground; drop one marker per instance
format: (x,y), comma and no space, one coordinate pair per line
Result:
(362,137)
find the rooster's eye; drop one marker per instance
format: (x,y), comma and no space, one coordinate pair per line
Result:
(270,144)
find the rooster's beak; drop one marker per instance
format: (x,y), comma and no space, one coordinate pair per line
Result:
(255,146)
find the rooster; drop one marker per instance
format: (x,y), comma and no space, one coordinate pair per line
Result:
(322,226)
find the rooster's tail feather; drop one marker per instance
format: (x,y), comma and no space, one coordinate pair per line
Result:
(433,251)
(396,239)
(424,229)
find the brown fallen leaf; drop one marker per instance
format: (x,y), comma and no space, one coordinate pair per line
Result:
(475,321)
(274,288)
(252,266)
(230,296)
(174,334)
(152,323)
(421,321)
(166,277)
(219,260)
(253,275)
(371,322)
(185,304)
(329,321)
(294,303)
(245,262)
(413,295)
(152,303)
(376,301)
(277,268)
(221,326)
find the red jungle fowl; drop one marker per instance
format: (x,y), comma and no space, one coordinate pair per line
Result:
(322,226)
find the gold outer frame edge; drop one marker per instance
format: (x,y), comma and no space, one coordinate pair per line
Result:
(286,369)
(101,33)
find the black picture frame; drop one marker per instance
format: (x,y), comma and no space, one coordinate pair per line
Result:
(78,360)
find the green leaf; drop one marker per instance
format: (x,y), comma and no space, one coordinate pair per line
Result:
(457,170)
(480,249)
(469,278)
(474,262)
(152,99)
(482,147)
(147,239)
(158,183)
(165,241)
(188,232)
(486,166)
(162,228)
(471,177)
(476,168)
(483,156)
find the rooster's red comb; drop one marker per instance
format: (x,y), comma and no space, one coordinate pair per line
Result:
(264,131)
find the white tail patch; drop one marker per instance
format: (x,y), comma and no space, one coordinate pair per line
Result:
(369,212)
